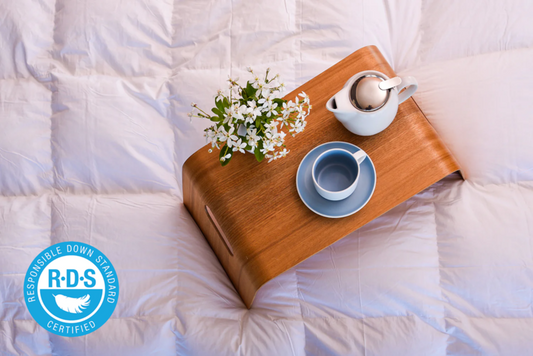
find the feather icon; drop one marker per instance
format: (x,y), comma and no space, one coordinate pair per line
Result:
(72,305)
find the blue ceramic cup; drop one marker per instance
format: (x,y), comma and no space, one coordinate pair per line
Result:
(336,173)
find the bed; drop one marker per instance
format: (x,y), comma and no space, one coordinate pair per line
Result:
(94,131)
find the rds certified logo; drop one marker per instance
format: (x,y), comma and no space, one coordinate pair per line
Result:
(71,289)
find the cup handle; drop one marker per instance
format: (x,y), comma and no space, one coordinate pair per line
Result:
(410,84)
(359,156)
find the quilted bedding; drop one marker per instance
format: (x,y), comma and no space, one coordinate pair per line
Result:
(94,97)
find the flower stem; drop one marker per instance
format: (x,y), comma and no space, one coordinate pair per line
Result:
(206,114)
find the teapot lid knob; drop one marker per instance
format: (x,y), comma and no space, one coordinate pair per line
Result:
(366,94)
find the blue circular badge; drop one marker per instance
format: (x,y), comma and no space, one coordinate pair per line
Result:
(71,289)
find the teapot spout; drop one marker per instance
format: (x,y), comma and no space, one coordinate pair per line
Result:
(331,105)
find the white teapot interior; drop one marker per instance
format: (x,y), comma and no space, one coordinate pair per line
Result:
(368,102)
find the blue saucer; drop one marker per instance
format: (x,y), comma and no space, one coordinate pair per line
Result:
(335,209)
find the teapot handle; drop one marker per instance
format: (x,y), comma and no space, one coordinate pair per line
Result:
(410,84)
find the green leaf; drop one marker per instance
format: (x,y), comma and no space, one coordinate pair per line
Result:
(220,105)
(218,112)
(259,156)
(250,90)
(226,103)
(279,101)
(223,152)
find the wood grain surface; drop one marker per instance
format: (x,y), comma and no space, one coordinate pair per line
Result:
(257,206)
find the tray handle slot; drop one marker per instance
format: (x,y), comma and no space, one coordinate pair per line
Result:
(219,230)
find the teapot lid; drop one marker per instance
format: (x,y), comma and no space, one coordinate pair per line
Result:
(366,94)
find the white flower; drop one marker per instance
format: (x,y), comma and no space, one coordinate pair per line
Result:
(230,111)
(265,91)
(272,126)
(300,110)
(249,119)
(223,158)
(228,115)
(297,126)
(264,150)
(238,130)
(283,120)
(281,136)
(268,107)
(271,135)
(252,109)
(272,157)
(272,110)
(211,137)
(210,133)
(287,109)
(305,97)
(276,94)
(268,146)
(233,86)
(251,134)
(239,146)
(275,156)
(252,138)
(253,145)
(283,153)
(275,137)
(294,126)
(255,83)
(259,84)
(235,112)
(224,136)
(220,95)
(289,105)
(232,139)
(239,112)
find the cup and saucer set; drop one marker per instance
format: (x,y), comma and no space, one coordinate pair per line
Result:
(337,179)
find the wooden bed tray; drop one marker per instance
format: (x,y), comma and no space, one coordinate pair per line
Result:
(251,213)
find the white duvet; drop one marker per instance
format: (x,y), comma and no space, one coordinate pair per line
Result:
(94,97)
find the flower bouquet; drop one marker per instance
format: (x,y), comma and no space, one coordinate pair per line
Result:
(253,118)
